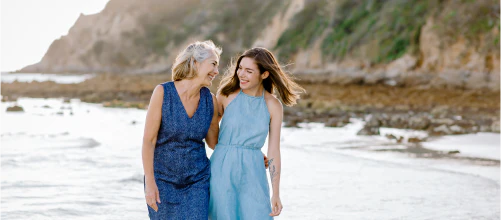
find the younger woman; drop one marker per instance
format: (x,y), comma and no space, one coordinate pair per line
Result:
(249,112)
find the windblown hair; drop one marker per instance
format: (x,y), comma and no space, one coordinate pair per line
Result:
(278,80)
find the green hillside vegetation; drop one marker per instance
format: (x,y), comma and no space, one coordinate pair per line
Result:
(382,31)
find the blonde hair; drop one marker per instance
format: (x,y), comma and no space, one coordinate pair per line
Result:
(184,66)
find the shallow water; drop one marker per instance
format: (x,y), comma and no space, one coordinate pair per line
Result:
(41,77)
(82,161)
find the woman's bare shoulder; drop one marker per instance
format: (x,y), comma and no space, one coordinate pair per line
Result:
(225,100)
(158,93)
(273,103)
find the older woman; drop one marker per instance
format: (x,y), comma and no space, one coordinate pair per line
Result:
(180,115)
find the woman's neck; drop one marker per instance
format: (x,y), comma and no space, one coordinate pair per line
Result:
(257,91)
(188,88)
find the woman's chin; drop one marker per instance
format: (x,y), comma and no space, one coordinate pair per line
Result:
(207,83)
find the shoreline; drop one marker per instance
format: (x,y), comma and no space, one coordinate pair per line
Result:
(438,111)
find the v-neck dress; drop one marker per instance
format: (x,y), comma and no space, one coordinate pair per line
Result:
(181,166)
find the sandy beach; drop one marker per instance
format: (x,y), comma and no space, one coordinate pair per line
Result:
(84,163)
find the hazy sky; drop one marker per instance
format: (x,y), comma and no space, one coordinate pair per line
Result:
(29,27)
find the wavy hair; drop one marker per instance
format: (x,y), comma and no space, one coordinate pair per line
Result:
(278,80)
(184,66)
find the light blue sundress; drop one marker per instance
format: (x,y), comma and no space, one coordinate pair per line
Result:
(238,184)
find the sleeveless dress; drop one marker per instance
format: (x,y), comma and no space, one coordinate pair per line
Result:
(239,186)
(181,166)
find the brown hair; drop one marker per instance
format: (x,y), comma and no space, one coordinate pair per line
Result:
(278,80)
(184,66)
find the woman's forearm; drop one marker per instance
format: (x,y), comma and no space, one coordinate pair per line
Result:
(148,151)
(211,138)
(274,166)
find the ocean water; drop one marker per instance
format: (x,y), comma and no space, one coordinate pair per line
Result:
(83,161)
(41,77)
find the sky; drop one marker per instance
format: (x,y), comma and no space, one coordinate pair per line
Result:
(28,27)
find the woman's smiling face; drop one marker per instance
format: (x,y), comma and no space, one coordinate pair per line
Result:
(208,70)
(249,74)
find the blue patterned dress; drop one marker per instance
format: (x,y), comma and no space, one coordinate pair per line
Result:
(181,166)
(239,186)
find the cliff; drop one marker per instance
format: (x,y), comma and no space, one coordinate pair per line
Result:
(446,44)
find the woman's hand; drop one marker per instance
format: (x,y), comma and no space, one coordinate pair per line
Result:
(152,195)
(265,161)
(276,206)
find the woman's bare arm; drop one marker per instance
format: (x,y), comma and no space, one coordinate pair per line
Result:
(220,106)
(153,120)
(212,134)
(274,158)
